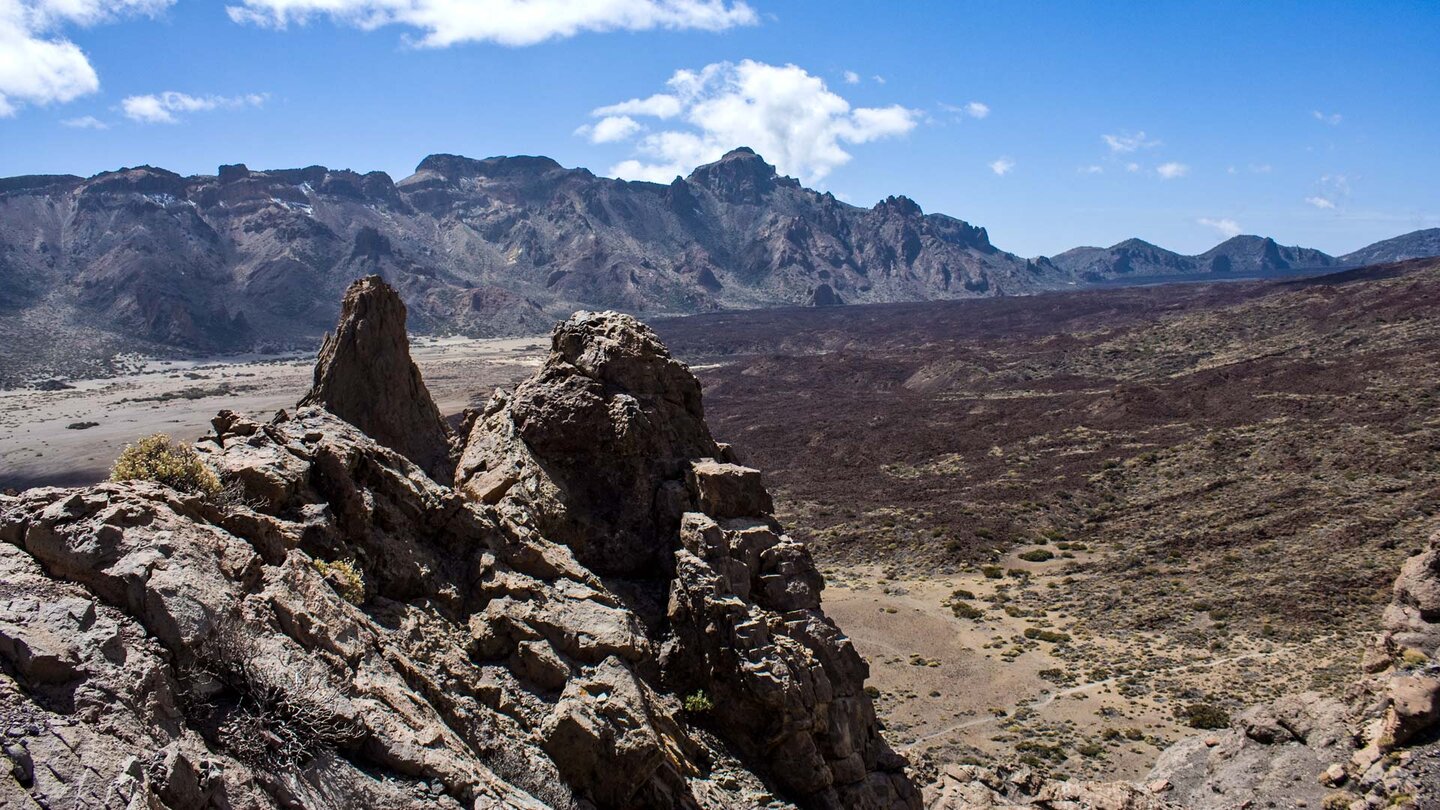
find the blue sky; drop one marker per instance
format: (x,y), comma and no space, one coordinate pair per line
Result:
(1313,122)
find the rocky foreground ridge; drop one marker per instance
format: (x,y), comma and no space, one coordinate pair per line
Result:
(580,599)
(601,612)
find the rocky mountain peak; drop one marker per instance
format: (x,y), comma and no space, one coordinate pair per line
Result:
(456,167)
(365,376)
(740,175)
(900,206)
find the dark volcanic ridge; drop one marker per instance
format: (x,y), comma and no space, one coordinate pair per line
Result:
(145,260)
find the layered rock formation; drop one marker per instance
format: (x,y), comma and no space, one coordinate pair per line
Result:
(365,376)
(602,614)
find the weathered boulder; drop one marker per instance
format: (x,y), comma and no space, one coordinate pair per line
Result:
(596,445)
(365,376)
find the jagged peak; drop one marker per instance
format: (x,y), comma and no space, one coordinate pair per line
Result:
(900,204)
(365,376)
(740,174)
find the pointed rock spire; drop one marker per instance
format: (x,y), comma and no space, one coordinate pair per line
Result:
(365,376)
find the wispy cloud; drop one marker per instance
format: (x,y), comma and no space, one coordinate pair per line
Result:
(1321,202)
(1333,119)
(851,77)
(1172,170)
(610,129)
(1127,142)
(1091,169)
(84,122)
(443,23)
(973,109)
(785,113)
(1001,166)
(1228,227)
(166,108)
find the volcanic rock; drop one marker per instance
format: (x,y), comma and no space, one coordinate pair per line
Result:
(366,377)
(340,630)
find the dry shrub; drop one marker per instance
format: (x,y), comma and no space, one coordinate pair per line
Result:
(163,460)
(266,712)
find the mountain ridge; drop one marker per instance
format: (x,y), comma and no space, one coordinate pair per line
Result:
(145,260)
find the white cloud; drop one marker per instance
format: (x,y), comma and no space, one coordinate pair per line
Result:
(609,129)
(1126,142)
(782,112)
(84,122)
(851,77)
(38,65)
(1001,166)
(1091,169)
(1228,227)
(660,105)
(443,23)
(878,79)
(1261,168)
(976,109)
(1320,202)
(163,108)
(1172,170)
(1333,119)
(1132,167)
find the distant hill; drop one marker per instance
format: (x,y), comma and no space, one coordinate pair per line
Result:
(1414,245)
(1240,255)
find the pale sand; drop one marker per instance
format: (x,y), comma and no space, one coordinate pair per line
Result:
(37,448)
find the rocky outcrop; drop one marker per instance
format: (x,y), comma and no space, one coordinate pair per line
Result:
(607,450)
(365,376)
(340,630)
(596,445)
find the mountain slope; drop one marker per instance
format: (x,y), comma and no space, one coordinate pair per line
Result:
(1413,245)
(1135,258)
(479,247)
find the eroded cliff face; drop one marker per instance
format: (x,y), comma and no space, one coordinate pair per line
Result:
(603,612)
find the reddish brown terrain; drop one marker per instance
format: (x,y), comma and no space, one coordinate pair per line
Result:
(1272,442)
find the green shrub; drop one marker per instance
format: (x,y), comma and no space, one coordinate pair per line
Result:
(160,459)
(1204,715)
(992,571)
(1412,657)
(345,577)
(1035,633)
(698,702)
(964,611)
(1037,555)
